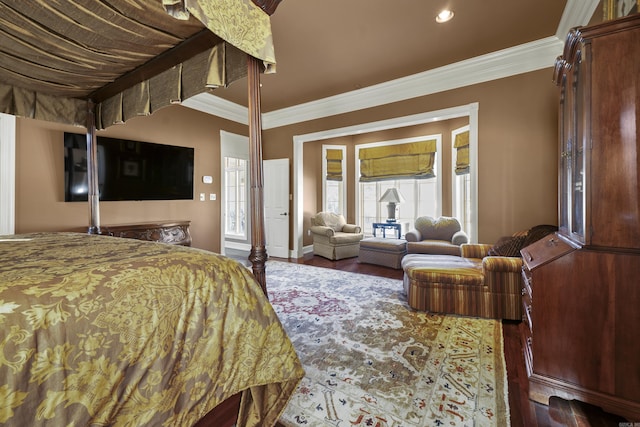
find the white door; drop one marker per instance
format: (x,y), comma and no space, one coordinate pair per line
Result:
(276,207)
(7,173)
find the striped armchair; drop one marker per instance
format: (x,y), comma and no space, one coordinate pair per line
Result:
(473,284)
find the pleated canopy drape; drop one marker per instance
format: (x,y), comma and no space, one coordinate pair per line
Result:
(58,54)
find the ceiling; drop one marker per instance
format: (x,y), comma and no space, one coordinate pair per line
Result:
(330,47)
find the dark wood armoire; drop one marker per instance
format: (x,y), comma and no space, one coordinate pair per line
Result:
(581,332)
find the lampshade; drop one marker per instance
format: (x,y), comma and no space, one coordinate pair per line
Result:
(392,195)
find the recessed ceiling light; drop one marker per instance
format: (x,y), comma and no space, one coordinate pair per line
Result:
(444,16)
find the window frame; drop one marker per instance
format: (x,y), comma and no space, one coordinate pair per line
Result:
(241,196)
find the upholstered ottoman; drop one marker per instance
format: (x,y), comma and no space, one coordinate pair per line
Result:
(381,251)
(482,287)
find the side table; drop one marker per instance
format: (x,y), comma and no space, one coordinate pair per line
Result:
(384,226)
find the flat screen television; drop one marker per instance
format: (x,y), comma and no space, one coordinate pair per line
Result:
(128,170)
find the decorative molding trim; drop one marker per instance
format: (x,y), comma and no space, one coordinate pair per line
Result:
(496,65)
(576,12)
(214,105)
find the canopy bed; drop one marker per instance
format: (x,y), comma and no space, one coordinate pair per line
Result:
(98,63)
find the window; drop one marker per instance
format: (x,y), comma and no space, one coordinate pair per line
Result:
(423,196)
(235,197)
(333,172)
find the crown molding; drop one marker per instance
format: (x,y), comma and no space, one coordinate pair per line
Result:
(214,105)
(575,13)
(496,65)
(504,63)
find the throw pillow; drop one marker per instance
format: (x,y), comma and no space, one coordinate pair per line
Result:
(538,232)
(508,246)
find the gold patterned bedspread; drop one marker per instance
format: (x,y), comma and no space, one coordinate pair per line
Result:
(97,330)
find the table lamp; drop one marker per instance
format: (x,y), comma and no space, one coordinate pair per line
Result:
(392,196)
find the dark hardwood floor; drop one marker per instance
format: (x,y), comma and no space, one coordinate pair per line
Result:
(524,412)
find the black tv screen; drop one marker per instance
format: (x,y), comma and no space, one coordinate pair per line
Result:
(128,170)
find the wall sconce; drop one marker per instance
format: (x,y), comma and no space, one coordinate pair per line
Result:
(392,196)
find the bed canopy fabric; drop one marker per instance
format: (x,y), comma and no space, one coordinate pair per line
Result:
(58,54)
(97,63)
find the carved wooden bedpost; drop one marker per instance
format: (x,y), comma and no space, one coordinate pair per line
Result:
(258,255)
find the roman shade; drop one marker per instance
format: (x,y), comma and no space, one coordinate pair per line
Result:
(410,160)
(461,144)
(334,164)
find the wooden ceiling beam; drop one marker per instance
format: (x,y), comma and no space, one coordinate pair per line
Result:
(190,47)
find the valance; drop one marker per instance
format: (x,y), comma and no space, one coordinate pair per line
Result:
(411,160)
(461,144)
(334,164)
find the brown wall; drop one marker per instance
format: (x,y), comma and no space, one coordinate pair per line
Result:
(517,149)
(40,204)
(517,160)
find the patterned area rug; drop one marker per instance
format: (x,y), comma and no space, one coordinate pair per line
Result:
(372,361)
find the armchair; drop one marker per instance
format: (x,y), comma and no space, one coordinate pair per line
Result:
(333,238)
(441,236)
(483,280)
